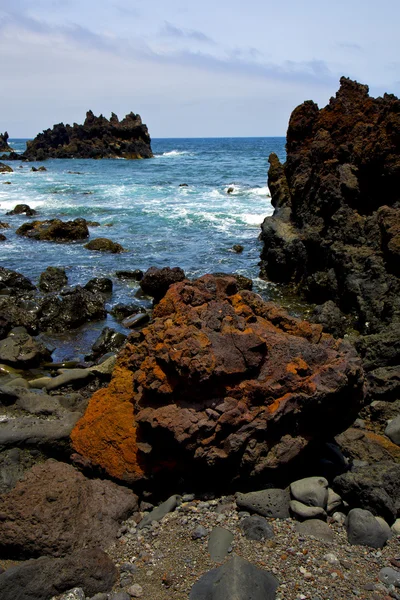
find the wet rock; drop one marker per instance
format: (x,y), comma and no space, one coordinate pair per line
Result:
(23,351)
(238,248)
(4,147)
(372,487)
(104,245)
(98,137)
(122,311)
(92,570)
(5,168)
(22,209)
(101,285)
(3,238)
(55,230)
(136,275)
(14,281)
(273,503)
(214,386)
(55,510)
(364,529)
(256,528)
(39,169)
(109,340)
(156,281)
(53,279)
(4,225)
(137,320)
(237,579)
(68,377)
(73,308)
(16,312)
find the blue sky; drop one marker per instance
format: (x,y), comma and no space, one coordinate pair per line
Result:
(209,68)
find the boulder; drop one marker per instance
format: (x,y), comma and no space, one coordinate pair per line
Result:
(109,340)
(104,245)
(22,209)
(4,225)
(41,579)
(256,528)
(393,430)
(3,238)
(272,503)
(5,168)
(237,579)
(102,285)
(155,282)
(312,491)
(219,543)
(17,312)
(335,230)
(363,529)
(372,487)
(23,351)
(72,308)
(14,282)
(55,230)
(220,384)
(53,279)
(55,510)
(4,147)
(98,137)
(136,274)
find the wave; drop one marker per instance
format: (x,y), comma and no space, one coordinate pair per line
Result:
(238,190)
(173,153)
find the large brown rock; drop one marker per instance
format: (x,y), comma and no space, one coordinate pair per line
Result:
(335,232)
(98,137)
(55,230)
(55,510)
(221,383)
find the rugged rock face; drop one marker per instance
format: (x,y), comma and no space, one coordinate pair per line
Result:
(55,510)
(55,230)
(4,147)
(221,383)
(98,137)
(335,232)
(105,245)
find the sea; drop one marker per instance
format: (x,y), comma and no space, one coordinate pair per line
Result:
(142,205)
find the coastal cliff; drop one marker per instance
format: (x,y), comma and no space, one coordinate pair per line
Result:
(4,147)
(98,137)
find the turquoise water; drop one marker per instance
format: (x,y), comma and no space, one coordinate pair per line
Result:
(140,205)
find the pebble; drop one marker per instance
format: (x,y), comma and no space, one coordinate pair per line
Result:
(136,590)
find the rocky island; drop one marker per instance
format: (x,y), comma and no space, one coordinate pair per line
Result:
(4,147)
(98,137)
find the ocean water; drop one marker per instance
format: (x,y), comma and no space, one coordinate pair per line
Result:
(140,205)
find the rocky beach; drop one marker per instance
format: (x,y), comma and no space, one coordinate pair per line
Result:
(194,433)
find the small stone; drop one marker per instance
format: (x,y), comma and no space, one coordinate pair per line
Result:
(199,532)
(135,591)
(74,594)
(390,576)
(331,558)
(256,528)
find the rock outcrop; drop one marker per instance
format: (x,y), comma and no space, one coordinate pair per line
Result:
(98,137)
(335,232)
(55,230)
(219,384)
(4,147)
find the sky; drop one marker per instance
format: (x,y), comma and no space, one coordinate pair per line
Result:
(191,69)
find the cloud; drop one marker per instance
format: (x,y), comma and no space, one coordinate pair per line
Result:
(350,46)
(171,31)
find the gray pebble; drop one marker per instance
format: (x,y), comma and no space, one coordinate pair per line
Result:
(390,576)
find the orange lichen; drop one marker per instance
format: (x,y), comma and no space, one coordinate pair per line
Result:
(106,434)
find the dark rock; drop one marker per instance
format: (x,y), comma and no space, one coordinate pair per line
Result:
(23,351)
(55,510)
(109,340)
(331,318)
(363,529)
(73,308)
(230,190)
(183,185)
(14,281)
(4,147)
(22,209)
(335,232)
(5,168)
(55,230)
(92,570)
(237,579)
(105,245)
(256,528)
(219,543)
(242,282)
(136,275)
(220,384)
(3,238)
(39,169)
(101,285)
(98,137)
(53,279)
(121,311)
(389,577)
(17,312)
(159,512)
(137,320)
(14,463)
(238,248)
(4,225)
(373,487)
(367,446)
(156,281)
(271,503)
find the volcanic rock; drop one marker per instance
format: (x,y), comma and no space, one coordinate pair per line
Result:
(98,137)
(5,168)
(335,232)
(219,384)
(102,285)
(104,245)
(155,282)
(72,308)
(2,237)
(22,209)
(23,351)
(55,510)
(14,281)
(4,147)
(55,230)
(41,579)
(53,279)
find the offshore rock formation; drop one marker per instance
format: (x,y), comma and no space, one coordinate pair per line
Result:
(219,384)
(4,147)
(98,137)
(335,232)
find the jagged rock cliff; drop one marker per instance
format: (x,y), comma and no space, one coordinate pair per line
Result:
(4,147)
(335,232)
(98,137)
